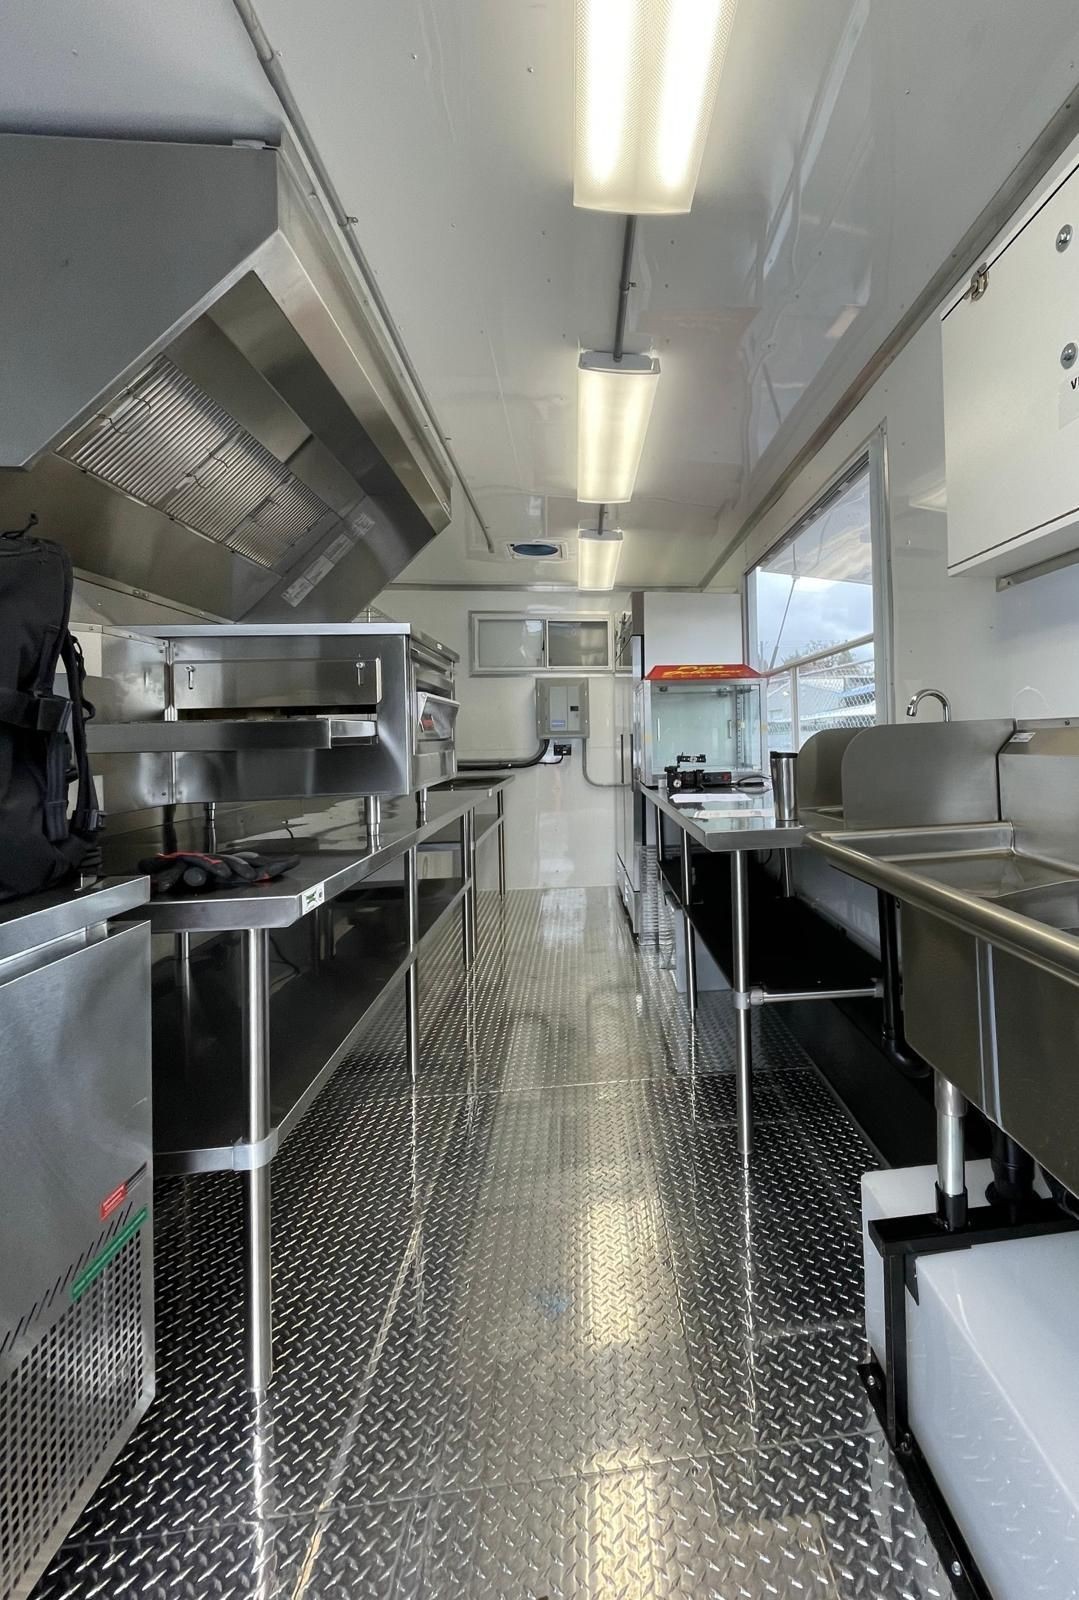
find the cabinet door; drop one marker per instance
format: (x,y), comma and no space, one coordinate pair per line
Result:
(1011,408)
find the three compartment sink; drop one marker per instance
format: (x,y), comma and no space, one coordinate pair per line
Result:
(973,877)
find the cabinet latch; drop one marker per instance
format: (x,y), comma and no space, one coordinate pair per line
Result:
(979,283)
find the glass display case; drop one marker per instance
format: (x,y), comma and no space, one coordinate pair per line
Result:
(712,719)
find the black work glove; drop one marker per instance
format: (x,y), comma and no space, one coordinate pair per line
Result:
(188,872)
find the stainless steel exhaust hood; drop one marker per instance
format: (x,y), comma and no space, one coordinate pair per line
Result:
(192,397)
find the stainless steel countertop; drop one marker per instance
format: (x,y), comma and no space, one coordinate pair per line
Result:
(730,822)
(908,863)
(284,630)
(335,855)
(40,918)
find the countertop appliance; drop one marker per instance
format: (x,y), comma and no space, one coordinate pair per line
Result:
(713,711)
(76,1258)
(696,779)
(200,713)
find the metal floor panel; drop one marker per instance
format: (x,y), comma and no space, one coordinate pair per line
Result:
(538,1334)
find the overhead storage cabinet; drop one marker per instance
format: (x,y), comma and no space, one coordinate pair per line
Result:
(1011,395)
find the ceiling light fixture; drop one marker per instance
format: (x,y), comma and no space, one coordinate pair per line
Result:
(598,555)
(647,78)
(614,404)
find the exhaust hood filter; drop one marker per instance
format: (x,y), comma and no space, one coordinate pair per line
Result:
(169,445)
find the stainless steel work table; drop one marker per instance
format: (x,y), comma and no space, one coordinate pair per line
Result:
(734,824)
(277,979)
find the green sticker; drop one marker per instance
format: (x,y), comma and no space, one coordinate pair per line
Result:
(97,1266)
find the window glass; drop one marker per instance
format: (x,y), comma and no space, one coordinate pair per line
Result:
(817,590)
(838,692)
(510,643)
(811,603)
(577,644)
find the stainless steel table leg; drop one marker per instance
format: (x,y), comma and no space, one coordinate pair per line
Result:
(257,1255)
(473,893)
(742,1036)
(501,803)
(951,1168)
(687,925)
(412,972)
(468,932)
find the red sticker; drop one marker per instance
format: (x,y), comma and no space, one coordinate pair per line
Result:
(711,673)
(111,1201)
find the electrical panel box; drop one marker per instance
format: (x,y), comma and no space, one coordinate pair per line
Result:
(562,708)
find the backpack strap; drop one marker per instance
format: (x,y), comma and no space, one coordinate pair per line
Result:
(37,713)
(87,819)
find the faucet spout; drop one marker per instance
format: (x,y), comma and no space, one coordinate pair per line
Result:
(929,694)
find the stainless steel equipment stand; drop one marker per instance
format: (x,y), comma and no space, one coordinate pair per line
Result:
(257,1260)
(209,1135)
(735,834)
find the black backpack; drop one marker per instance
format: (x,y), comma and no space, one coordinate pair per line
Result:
(39,729)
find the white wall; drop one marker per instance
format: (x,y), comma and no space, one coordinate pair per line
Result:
(1012,653)
(681,627)
(1015,653)
(559,830)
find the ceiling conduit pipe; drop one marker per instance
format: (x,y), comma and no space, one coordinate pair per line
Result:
(625,284)
(270,62)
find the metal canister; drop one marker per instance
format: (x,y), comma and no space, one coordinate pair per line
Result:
(784,765)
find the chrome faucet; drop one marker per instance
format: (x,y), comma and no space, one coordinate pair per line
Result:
(929,694)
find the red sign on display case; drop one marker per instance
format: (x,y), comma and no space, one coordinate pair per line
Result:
(702,674)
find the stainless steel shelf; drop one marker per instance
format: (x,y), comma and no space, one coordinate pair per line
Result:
(314,1013)
(335,857)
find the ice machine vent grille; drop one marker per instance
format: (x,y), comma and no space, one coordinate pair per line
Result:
(61,1410)
(170,445)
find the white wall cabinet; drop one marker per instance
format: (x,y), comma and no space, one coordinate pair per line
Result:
(1011,395)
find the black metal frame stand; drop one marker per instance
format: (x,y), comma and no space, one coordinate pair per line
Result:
(900,1241)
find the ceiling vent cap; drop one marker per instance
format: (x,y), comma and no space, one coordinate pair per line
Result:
(536,550)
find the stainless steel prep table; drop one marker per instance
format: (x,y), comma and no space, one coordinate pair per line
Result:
(216,1005)
(734,825)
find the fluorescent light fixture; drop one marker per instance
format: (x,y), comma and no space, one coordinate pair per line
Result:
(647,77)
(614,404)
(598,555)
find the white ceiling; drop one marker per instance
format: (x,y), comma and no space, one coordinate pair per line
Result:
(854,142)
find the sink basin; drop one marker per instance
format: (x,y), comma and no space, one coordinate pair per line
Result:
(978,859)
(992,875)
(1055,904)
(972,841)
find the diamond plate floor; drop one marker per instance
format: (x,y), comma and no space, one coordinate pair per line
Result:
(537,1333)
